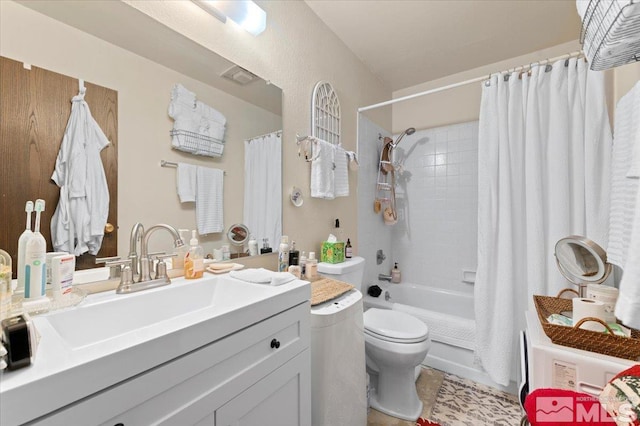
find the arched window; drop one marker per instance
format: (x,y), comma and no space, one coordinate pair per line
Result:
(325,113)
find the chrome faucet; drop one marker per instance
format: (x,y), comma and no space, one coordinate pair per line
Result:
(135,241)
(383,277)
(145,273)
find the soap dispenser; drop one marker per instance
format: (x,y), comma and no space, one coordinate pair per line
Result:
(194,259)
(395,274)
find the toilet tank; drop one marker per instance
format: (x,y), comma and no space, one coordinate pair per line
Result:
(350,271)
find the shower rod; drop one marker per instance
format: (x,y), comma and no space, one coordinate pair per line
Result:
(464,83)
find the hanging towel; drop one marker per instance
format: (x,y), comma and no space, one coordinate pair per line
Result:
(186,182)
(624,189)
(628,304)
(322,170)
(209,196)
(263,276)
(77,225)
(341,172)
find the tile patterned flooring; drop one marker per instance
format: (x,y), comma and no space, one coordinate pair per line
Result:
(454,401)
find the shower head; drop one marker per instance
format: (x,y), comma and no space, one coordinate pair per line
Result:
(409,131)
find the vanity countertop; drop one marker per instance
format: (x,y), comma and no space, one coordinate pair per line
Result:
(109,338)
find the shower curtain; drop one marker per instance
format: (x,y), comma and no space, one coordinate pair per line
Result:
(263,187)
(543,174)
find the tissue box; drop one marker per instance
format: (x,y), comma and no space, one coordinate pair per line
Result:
(332,252)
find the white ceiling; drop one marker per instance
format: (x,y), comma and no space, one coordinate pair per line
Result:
(408,42)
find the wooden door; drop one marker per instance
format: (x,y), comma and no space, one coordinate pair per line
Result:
(34,109)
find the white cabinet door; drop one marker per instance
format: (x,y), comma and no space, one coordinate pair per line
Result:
(280,399)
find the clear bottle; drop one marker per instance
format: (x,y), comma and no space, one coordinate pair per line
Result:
(348,250)
(311,266)
(283,254)
(178,261)
(194,259)
(265,246)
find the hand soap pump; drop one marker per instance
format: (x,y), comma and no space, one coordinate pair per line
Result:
(178,261)
(395,274)
(194,259)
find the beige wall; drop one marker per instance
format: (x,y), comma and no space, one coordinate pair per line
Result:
(295,52)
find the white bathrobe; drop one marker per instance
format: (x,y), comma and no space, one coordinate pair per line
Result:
(77,225)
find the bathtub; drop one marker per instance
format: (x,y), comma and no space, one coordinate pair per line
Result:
(452,327)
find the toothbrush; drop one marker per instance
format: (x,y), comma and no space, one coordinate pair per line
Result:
(35,260)
(22,246)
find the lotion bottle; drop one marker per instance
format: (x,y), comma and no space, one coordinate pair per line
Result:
(311,266)
(253,246)
(194,259)
(395,274)
(35,257)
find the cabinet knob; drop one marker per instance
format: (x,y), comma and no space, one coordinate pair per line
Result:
(109,228)
(275,344)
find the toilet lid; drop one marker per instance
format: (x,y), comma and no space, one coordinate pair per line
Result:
(394,326)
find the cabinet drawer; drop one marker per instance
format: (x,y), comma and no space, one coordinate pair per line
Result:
(216,373)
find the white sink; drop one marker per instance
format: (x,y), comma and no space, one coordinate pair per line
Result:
(118,315)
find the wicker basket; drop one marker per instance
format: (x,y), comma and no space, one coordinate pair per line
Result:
(575,337)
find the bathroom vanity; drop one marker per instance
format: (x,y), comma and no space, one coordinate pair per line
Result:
(216,351)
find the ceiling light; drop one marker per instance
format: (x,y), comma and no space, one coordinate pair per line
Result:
(245,13)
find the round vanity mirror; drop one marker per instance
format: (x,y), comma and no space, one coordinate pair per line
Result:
(238,234)
(582,261)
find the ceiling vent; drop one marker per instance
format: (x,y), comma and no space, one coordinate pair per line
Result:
(239,75)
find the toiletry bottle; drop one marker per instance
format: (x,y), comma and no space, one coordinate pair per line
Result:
(395,274)
(303,265)
(294,255)
(35,258)
(22,246)
(348,250)
(283,254)
(265,246)
(5,284)
(194,259)
(338,231)
(253,246)
(177,262)
(311,266)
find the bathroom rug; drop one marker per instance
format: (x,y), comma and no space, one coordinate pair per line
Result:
(465,402)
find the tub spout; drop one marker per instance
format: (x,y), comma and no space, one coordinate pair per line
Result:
(383,277)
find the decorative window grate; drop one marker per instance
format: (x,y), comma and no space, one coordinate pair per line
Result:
(325,113)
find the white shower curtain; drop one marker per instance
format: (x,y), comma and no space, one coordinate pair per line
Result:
(263,187)
(543,173)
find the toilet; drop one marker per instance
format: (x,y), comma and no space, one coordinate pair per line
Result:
(395,345)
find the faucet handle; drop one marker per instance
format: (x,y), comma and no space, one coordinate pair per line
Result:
(114,268)
(161,267)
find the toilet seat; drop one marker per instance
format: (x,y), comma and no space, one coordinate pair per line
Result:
(394,326)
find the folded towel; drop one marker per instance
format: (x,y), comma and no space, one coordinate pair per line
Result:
(263,276)
(209,196)
(179,109)
(186,182)
(322,170)
(185,95)
(341,172)
(210,113)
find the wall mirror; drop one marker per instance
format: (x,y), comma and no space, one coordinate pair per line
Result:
(141,59)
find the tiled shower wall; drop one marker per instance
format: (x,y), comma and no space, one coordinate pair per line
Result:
(372,233)
(435,238)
